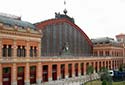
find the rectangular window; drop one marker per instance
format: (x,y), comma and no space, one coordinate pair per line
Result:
(35,51)
(19,51)
(31,51)
(9,51)
(4,51)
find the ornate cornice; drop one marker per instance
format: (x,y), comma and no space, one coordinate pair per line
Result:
(14,32)
(19,31)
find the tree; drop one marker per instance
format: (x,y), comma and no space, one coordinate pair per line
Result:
(104,82)
(121,67)
(89,71)
(104,76)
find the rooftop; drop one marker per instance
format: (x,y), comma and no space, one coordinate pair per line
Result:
(12,21)
(105,40)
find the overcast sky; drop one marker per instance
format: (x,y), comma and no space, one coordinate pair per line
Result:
(97,18)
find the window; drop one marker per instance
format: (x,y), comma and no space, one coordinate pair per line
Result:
(23,51)
(6,70)
(31,51)
(35,51)
(4,50)
(9,51)
(19,51)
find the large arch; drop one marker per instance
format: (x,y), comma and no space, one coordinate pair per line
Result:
(58,32)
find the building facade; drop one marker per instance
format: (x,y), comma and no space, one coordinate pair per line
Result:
(27,55)
(109,47)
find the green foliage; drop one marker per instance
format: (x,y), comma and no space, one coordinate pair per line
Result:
(104,82)
(103,69)
(6,70)
(20,69)
(104,75)
(90,69)
(121,68)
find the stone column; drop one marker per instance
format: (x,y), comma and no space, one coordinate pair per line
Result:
(66,70)
(39,73)
(0,48)
(108,64)
(14,74)
(94,67)
(84,68)
(58,71)
(79,69)
(27,74)
(73,70)
(50,72)
(111,64)
(98,66)
(0,74)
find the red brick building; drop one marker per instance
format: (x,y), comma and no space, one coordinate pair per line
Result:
(108,47)
(53,57)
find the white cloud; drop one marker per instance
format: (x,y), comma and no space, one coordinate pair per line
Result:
(96,17)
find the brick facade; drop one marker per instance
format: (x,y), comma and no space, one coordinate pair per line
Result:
(15,68)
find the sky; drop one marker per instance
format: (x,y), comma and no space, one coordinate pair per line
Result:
(97,18)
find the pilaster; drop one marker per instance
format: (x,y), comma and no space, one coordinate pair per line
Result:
(39,49)
(39,73)
(73,70)
(50,72)
(58,71)
(14,49)
(14,74)
(66,70)
(27,74)
(79,69)
(27,49)
(84,68)
(97,66)
(94,66)
(111,65)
